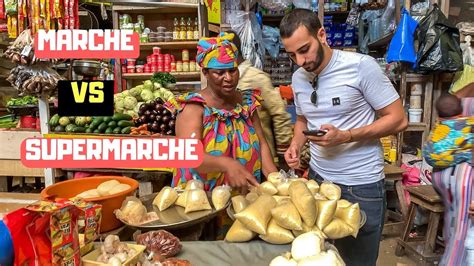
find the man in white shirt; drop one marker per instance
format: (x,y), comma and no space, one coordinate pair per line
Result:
(341,93)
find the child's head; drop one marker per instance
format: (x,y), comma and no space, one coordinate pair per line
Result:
(448,105)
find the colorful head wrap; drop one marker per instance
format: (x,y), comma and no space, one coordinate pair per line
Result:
(218,52)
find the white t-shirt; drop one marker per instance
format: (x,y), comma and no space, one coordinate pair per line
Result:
(350,88)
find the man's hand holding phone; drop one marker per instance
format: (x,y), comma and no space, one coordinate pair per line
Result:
(328,136)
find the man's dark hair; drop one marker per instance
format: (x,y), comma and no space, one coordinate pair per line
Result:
(448,105)
(296,18)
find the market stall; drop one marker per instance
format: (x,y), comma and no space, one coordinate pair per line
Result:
(117,216)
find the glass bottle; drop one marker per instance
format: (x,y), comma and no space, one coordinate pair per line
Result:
(176,29)
(196,29)
(182,32)
(190,31)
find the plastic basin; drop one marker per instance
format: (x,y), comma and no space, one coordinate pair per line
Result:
(70,188)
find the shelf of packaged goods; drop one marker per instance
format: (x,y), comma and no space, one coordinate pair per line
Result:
(177,75)
(416,127)
(152,6)
(175,45)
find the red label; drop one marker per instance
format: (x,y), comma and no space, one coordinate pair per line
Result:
(111,153)
(64,44)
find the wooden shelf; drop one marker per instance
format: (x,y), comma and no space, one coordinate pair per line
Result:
(170,45)
(416,127)
(177,75)
(154,7)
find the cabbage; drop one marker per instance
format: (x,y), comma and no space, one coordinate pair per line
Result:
(119,110)
(147,95)
(129,102)
(131,113)
(156,85)
(119,103)
(157,94)
(148,85)
(125,93)
(168,95)
(137,107)
(135,91)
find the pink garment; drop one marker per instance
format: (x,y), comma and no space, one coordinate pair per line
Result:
(411,177)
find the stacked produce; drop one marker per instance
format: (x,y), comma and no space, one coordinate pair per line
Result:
(26,100)
(8,121)
(129,101)
(116,124)
(157,118)
(282,208)
(309,249)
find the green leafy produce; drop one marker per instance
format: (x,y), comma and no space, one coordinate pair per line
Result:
(148,85)
(8,121)
(147,95)
(135,91)
(130,102)
(22,101)
(163,78)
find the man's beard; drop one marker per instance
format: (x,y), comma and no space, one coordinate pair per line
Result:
(311,66)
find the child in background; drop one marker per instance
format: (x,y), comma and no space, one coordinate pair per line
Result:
(451,140)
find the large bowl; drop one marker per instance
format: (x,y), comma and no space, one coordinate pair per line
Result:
(70,188)
(88,68)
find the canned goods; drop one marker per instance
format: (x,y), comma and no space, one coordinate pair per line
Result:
(154,68)
(131,62)
(156,50)
(147,68)
(130,69)
(185,66)
(153,59)
(185,55)
(173,67)
(144,38)
(161,65)
(139,68)
(160,58)
(124,69)
(192,66)
(179,66)
(167,69)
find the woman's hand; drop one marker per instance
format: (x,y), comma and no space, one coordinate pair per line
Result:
(238,177)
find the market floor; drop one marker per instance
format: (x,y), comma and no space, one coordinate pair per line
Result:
(387,255)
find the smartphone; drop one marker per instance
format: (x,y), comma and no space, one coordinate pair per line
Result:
(316,133)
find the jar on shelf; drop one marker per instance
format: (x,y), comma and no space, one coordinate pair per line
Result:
(179,66)
(192,66)
(185,55)
(185,66)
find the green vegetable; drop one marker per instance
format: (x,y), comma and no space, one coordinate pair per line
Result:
(129,102)
(59,128)
(125,123)
(96,131)
(118,117)
(78,129)
(126,130)
(163,78)
(54,121)
(148,85)
(64,121)
(102,127)
(96,122)
(107,119)
(112,124)
(109,130)
(70,127)
(89,130)
(147,95)
(22,101)
(117,130)
(135,91)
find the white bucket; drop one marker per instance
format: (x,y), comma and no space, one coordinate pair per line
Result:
(415,115)
(416,89)
(415,102)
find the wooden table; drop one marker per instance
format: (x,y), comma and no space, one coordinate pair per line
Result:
(394,173)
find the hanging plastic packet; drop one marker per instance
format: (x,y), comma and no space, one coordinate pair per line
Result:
(402,47)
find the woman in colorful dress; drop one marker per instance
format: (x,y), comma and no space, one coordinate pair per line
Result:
(225,120)
(455,185)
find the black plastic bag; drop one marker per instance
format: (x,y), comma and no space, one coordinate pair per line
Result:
(439,49)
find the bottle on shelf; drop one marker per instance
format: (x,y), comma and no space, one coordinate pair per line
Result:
(189,30)
(182,31)
(176,29)
(196,29)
